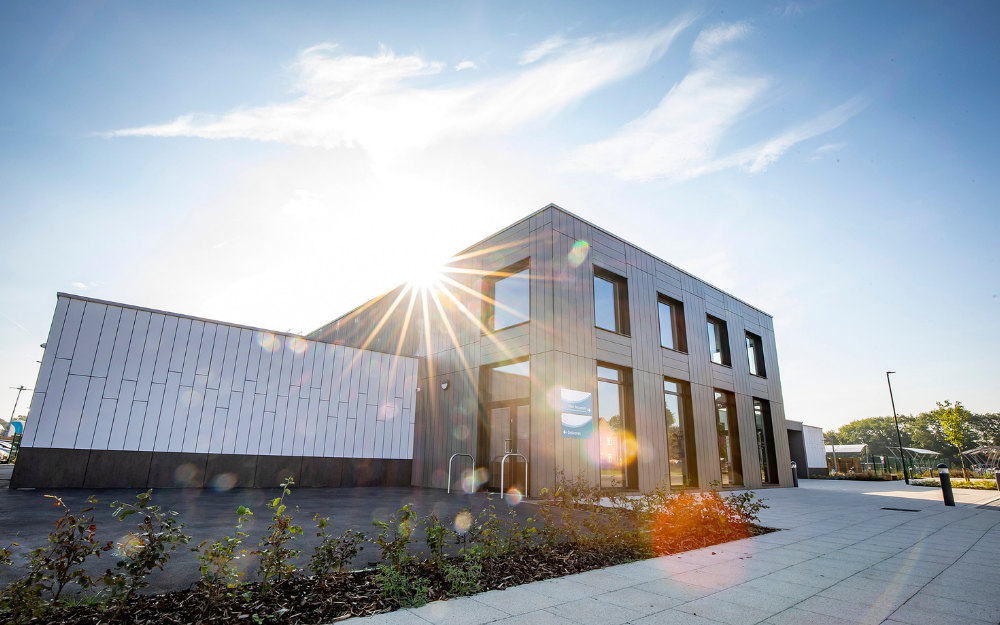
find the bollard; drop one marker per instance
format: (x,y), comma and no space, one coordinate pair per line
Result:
(795,475)
(996,476)
(949,497)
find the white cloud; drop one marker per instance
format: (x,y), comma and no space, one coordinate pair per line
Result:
(466,65)
(831,147)
(83,286)
(375,102)
(680,137)
(711,40)
(543,49)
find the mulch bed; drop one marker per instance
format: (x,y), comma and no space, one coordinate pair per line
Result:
(306,600)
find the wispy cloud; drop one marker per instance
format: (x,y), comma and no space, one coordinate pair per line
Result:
(375,102)
(543,49)
(831,147)
(84,286)
(680,137)
(466,65)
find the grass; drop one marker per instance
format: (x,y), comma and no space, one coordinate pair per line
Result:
(968,484)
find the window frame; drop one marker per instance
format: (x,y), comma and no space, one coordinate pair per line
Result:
(678,329)
(733,434)
(727,359)
(620,284)
(765,426)
(627,407)
(758,351)
(489,283)
(686,423)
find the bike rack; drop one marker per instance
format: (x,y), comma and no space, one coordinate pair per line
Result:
(508,455)
(470,456)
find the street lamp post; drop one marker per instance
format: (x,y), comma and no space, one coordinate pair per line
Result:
(899,437)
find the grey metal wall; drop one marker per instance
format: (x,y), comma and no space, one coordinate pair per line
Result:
(443,328)
(121,378)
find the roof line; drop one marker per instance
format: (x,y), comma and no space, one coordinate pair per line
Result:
(575,216)
(203,319)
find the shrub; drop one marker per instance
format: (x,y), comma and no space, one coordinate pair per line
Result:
(690,521)
(143,550)
(334,553)
(275,554)
(54,567)
(394,539)
(218,559)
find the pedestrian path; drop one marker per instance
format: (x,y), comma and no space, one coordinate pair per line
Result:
(846,556)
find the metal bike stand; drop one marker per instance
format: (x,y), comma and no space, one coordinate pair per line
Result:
(505,456)
(469,456)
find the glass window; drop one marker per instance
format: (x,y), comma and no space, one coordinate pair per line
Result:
(729,439)
(510,381)
(510,295)
(681,453)
(613,428)
(765,442)
(755,355)
(672,334)
(610,302)
(718,341)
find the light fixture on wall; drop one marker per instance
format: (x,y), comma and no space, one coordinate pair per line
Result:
(444,385)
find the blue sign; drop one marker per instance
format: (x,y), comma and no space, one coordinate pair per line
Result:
(577,413)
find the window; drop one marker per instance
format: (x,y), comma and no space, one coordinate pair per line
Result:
(610,302)
(729,439)
(672,335)
(507,298)
(615,429)
(681,452)
(505,427)
(718,341)
(755,354)
(765,442)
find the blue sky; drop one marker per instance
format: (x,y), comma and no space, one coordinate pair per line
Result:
(831,163)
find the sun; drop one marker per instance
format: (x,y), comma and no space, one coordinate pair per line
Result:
(425,277)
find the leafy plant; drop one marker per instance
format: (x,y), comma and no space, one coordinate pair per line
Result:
(334,553)
(217,560)
(54,567)
(394,537)
(143,550)
(407,591)
(437,535)
(275,554)
(747,506)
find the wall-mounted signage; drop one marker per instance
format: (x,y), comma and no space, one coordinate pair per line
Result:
(577,413)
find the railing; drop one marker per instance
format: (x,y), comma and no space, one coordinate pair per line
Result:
(508,455)
(470,456)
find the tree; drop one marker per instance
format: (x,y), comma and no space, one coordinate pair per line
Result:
(955,421)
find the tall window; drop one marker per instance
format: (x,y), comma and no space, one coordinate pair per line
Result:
(507,298)
(755,354)
(610,302)
(681,452)
(672,335)
(729,439)
(765,442)
(615,443)
(718,341)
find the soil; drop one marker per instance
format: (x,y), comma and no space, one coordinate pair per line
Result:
(307,600)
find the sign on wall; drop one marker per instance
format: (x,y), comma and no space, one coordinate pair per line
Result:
(577,413)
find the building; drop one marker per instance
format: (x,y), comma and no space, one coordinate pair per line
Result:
(805,442)
(550,347)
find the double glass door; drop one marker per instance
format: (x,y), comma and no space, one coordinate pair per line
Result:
(510,427)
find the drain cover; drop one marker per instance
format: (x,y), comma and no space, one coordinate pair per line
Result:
(901,509)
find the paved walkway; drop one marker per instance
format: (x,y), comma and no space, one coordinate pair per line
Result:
(843,558)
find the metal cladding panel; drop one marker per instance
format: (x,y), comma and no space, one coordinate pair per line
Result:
(141,380)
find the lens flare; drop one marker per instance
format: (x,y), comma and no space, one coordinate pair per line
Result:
(482,476)
(185,475)
(268,341)
(223,482)
(579,253)
(514,497)
(469,484)
(296,344)
(462,521)
(461,432)
(129,545)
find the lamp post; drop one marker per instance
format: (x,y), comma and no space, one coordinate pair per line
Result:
(899,437)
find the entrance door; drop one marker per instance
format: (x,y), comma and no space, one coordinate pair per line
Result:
(509,433)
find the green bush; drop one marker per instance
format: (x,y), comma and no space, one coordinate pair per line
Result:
(275,554)
(334,553)
(217,559)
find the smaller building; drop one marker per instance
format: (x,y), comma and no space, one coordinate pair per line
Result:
(805,445)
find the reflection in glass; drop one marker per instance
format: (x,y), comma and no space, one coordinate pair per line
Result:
(511,295)
(678,425)
(672,325)
(761,417)
(716,342)
(728,453)
(604,304)
(611,433)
